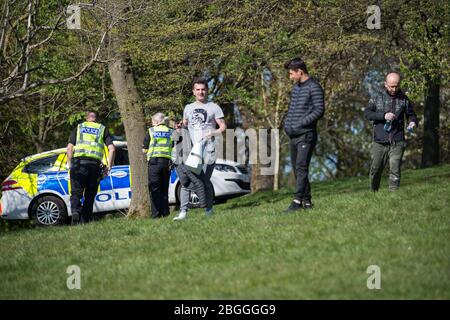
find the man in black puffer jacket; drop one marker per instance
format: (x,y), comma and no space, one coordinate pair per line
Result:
(387,111)
(305,108)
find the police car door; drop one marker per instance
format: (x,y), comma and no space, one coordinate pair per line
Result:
(104,201)
(121,178)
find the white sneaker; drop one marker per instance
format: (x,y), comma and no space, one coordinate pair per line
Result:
(209,212)
(181,216)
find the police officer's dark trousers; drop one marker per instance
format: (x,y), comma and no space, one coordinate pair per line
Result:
(301,151)
(84,180)
(158,184)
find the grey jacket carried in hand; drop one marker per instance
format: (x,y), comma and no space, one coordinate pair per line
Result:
(188,179)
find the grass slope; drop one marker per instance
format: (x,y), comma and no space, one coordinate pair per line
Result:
(250,250)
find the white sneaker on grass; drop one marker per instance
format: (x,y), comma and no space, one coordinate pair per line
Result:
(209,212)
(181,216)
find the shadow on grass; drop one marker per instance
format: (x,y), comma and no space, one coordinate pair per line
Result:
(358,184)
(21,225)
(435,175)
(16,225)
(354,185)
(258,198)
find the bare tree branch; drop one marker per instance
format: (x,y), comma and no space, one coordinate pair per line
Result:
(25,89)
(17,65)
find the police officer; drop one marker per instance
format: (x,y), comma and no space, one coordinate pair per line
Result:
(158,146)
(84,159)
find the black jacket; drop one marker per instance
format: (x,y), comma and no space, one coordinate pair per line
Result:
(383,103)
(305,108)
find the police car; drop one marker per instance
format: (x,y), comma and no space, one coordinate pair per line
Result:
(38,187)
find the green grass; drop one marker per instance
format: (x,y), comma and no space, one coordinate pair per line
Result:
(250,250)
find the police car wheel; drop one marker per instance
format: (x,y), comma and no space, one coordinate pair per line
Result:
(48,211)
(193,198)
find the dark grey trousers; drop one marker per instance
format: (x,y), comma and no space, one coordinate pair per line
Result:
(301,149)
(205,178)
(84,181)
(158,186)
(381,155)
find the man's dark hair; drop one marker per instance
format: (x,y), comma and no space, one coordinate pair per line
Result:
(296,64)
(199,81)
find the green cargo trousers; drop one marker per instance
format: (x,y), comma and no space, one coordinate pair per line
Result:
(381,155)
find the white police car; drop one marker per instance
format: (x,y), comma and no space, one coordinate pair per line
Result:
(38,187)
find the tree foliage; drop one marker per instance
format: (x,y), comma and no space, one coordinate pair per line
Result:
(241,46)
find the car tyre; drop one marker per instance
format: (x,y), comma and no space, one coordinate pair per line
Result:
(49,211)
(193,198)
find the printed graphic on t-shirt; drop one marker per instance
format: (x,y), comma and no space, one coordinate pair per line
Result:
(198,118)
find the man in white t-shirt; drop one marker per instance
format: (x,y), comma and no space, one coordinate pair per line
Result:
(202,119)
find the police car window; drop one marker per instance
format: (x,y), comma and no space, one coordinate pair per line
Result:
(41,165)
(121,157)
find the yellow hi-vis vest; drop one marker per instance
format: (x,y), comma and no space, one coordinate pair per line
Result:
(160,142)
(90,140)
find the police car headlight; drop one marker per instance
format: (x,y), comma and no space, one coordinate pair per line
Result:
(225,168)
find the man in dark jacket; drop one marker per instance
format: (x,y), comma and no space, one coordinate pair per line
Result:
(305,108)
(387,111)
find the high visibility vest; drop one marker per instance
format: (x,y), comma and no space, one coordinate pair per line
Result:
(160,145)
(90,140)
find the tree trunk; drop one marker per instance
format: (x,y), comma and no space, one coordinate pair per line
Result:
(260,182)
(130,108)
(430,150)
(276,176)
(280,94)
(133,120)
(40,138)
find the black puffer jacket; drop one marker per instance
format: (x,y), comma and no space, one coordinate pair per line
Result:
(306,107)
(382,103)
